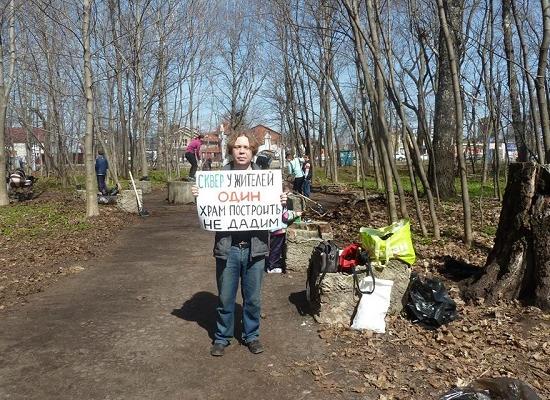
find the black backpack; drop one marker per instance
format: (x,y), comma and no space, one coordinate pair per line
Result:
(324,259)
(325,256)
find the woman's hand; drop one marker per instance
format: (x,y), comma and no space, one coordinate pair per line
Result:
(195,190)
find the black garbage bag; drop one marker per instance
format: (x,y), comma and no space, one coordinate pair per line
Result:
(429,303)
(501,388)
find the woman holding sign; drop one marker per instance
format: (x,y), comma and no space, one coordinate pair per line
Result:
(240,255)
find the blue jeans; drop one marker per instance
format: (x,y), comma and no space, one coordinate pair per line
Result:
(306,188)
(251,272)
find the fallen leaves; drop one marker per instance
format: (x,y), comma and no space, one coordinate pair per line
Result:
(411,362)
(57,233)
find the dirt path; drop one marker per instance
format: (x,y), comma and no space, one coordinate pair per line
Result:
(137,324)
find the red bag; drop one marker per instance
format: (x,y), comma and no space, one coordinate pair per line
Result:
(349,257)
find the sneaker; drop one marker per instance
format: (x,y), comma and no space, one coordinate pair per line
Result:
(191,178)
(275,271)
(255,347)
(217,349)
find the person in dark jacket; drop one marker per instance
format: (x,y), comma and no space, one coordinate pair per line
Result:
(240,255)
(101,167)
(307,169)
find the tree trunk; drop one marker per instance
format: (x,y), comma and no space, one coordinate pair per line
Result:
(541,81)
(445,115)
(123,133)
(454,65)
(91,186)
(518,122)
(5,88)
(529,80)
(518,267)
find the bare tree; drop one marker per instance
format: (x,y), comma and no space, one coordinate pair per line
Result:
(453,63)
(6,82)
(518,122)
(445,118)
(540,82)
(91,186)
(359,39)
(240,71)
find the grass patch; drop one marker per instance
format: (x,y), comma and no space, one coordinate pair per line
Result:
(40,220)
(347,176)
(425,240)
(489,230)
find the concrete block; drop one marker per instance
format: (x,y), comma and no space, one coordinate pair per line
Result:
(145,186)
(126,200)
(338,300)
(301,238)
(81,194)
(179,192)
(400,273)
(296,203)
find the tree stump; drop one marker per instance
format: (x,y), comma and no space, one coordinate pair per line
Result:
(518,266)
(179,192)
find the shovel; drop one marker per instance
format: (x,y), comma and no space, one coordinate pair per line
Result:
(141,211)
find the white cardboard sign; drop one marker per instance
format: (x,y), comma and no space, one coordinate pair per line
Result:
(232,200)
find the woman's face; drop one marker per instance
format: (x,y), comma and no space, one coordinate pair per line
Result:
(242,153)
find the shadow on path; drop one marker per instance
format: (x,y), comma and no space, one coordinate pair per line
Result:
(201,308)
(299,300)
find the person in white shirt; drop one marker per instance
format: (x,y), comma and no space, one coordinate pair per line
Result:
(295,170)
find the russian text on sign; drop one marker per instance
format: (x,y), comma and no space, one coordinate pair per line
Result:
(239,200)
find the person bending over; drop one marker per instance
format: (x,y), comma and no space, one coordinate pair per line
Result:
(192,154)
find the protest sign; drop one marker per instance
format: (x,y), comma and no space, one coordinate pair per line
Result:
(235,200)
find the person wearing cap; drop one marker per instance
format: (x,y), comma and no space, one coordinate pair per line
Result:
(192,154)
(240,256)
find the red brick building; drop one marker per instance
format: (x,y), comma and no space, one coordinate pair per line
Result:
(267,138)
(211,147)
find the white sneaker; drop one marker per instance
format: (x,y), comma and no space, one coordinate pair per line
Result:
(275,271)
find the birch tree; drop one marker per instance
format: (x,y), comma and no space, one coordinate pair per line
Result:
(7,16)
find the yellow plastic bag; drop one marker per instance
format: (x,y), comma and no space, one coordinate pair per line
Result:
(389,242)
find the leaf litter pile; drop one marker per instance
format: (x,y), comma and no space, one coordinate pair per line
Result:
(47,238)
(410,361)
